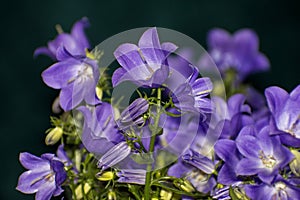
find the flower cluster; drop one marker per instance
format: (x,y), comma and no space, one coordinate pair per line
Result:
(177,139)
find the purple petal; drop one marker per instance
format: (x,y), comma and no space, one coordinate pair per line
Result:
(30,181)
(78,31)
(179,169)
(30,161)
(115,155)
(150,39)
(276,98)
(248,146)
(245,40)
(59,74)
(218,38)
(227,175)
(295,94)
(62,53)
(46,192)
(226,150)
(168,47)
(118,76)
(128,56)
(45,51)
(248,167)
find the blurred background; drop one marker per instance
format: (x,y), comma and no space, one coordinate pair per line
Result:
(25,25)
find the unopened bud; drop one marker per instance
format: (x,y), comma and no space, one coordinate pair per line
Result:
(165,195)
(105,176)
(99,92)
(82,190)
(295,163)
(54,136)
(111,195)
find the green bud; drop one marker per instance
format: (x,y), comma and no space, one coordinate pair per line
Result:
(295,163)
(82,190)
(99,92)
(105,176)
(165,195)
(54,136)
(185,185)
(111,195)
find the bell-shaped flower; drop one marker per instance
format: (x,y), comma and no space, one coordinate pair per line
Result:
(145,64)
(238,51)
(44,177)
(77,78)
(133,114)
(279,189)
(75,43)
(285,109)
(264,155)
(100,131)
(136,176)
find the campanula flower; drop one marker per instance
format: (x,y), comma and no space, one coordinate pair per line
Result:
(133,114)
(239,51)
(145,64)
(113,156)
(264,155)
(77,78)
(137,176)
(285,109)
(75,43)
(192,95)
(279,189)
(100,131)
(44,177)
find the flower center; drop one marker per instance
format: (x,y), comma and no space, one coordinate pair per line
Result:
(86,72)
(293,128)
(280,188)
(268,160)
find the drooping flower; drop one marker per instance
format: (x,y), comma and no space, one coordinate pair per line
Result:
(285,109)
(145,64)
(44,177)
(192,95)
(279,189)
(133,114)
(264,155)
(238,52)
(113,156)
(75,43)
(201,181)
(77,78)
(100,131)
(136,176)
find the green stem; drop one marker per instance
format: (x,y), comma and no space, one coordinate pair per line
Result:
(151,147)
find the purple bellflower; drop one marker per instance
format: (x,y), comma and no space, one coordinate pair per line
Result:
(264,155)
(77,78)
(133,114)
(239,51)
(285,109)
(193,94)
(279,189)
(44,177)
(100,131)
(114,155)
(145,64)
(75,43)
(136,176)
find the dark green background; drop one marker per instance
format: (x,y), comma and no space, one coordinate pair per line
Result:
(25,25)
